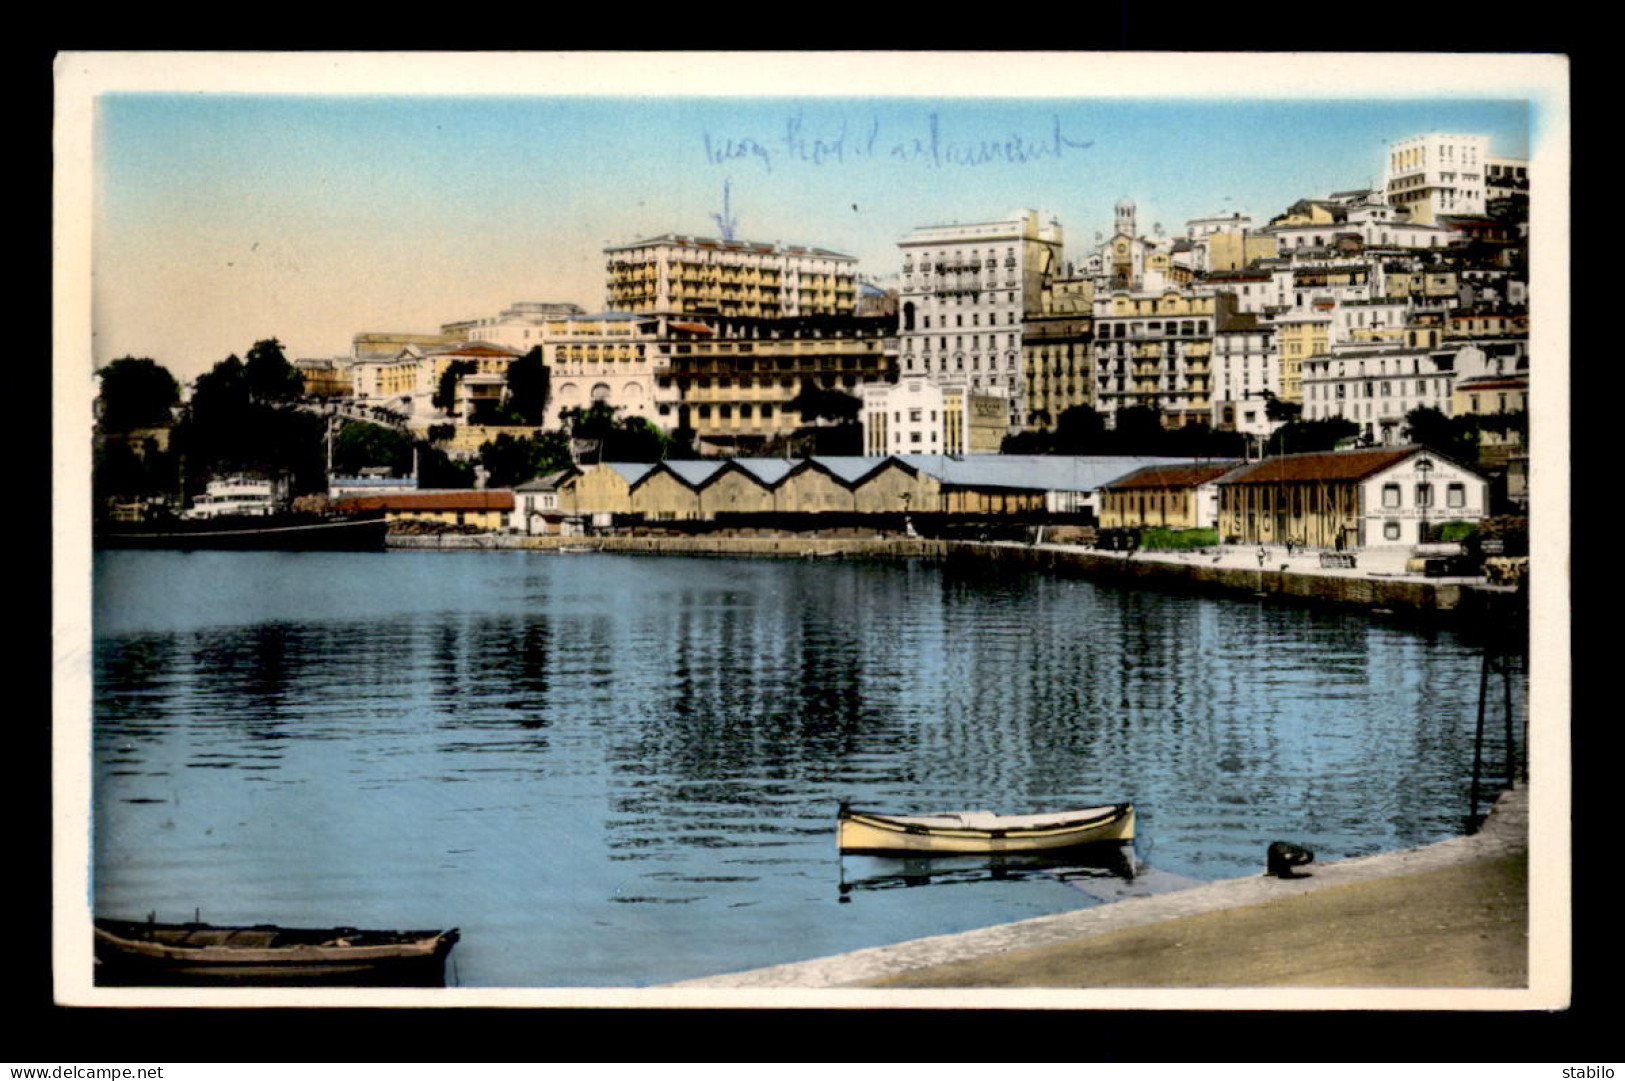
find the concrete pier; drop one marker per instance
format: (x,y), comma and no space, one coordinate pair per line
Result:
(1453,915)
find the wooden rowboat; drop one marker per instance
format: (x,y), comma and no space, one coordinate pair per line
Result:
(981,832)
(132,953)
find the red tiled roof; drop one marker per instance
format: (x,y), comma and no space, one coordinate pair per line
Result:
(1159,476)
(1340,465)
(494,499)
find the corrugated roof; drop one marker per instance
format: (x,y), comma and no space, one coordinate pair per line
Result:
(695,472)
(767,470)
(631,472)
(1036,472)
(1033,473)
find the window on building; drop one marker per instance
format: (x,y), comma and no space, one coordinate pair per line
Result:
(1455,495)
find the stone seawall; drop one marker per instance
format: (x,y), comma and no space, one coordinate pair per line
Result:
(1413,596)
(1225,573)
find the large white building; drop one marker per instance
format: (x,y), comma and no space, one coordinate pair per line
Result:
(964,294)
(1377,385)
(613,358)
(919,416)
(1246,374)
(1438,174)
(518,326)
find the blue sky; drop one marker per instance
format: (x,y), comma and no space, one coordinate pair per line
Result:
(222,217)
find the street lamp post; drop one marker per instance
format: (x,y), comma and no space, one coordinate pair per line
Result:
(1424,497)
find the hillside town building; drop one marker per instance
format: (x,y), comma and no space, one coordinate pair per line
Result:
(964,295)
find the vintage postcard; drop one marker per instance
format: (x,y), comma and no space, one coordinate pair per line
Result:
(864,529)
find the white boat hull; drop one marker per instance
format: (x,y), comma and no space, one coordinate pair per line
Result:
(981,833)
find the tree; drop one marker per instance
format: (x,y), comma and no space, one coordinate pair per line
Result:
(816,404)
(269,376)
(1139,430)
(1281,410)
(226,426)
(445,395)
(1455,437)
(631,439)
(1079,430)
(529,387)
(358,446)
(509,461)
(1304,436)
(137,392)
(437,470)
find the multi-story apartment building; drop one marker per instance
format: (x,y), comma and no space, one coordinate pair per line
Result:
(1246,370)
(964,294)
(1228,242)
(1254,290)
(732,382)
(1300,334)
(1506,187)
(1155,350)
(1057,350)
(688,275)
(1437,175)
(1377,386)
(1381,319)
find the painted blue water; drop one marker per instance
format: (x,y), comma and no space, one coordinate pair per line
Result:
(623,771)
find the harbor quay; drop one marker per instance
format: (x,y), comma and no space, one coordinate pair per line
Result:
(1450,915)
(1379,581)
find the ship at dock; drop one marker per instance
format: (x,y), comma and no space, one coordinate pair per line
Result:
(277,532)
(244,514)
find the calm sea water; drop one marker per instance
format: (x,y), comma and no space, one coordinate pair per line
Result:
(623,771)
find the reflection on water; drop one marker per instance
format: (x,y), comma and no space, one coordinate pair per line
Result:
(619,771)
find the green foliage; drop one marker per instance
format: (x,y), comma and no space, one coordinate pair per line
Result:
(269,376)
(118,471)
(816,403)
(1307,436)
(1447,532)
(1454,437)
(359,446)
(529,387)
(1080,430)
(137,392)
(227,426)
(437,470)
(445,395)
(1139,430)
(1280,410)
(632,439)
(509,461)
(1179,539)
